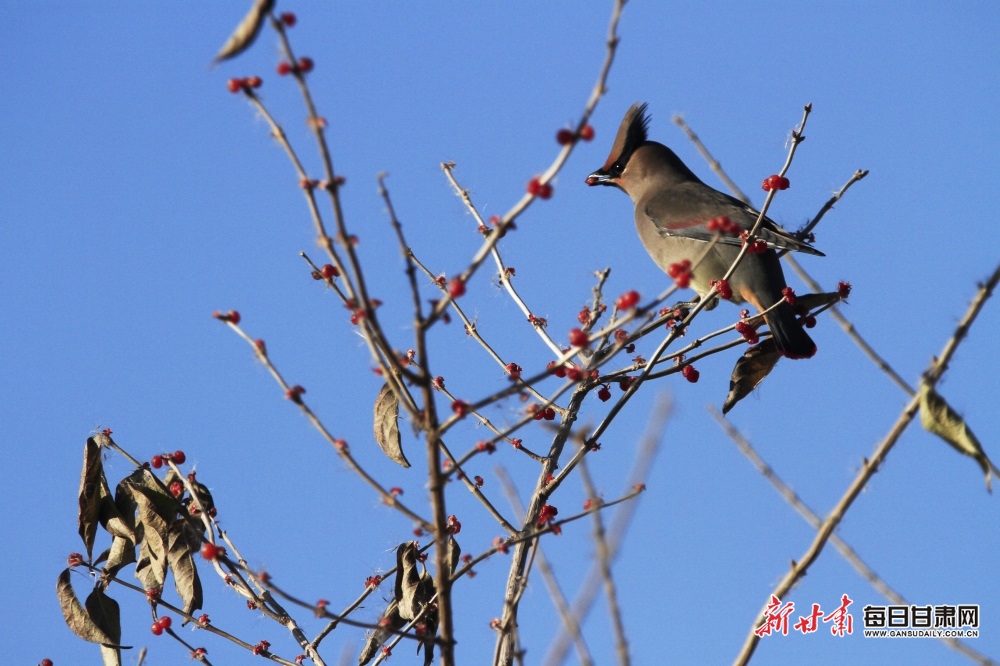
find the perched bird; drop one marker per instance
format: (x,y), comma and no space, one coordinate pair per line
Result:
(677,215)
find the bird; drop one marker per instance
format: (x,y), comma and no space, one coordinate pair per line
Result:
(676,215)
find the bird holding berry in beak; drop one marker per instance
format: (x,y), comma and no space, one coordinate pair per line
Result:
(677,216)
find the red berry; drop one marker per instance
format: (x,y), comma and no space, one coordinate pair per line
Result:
(557,370)
(514,370)
(46,662)
(784,184)
(157,629)
(305,64)
(771,183)
(156,462)
(165,621)
(209,551)
(722,286)
(545,192)
(587,133)
(604,394)
(288,18)
(479,481)
(564,136)
(789,295)
(284,69)
(179,457)
(234,85)
(459,407)
(534,186)
(578,338)
(690,373)
(75,559)
(843,289)
(456,287)
(253,81)
(395,490)
(810,321)
(176,488)
(627,300)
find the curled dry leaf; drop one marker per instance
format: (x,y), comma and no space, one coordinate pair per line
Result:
(98,622)
(155,512)
(246,32)
(454,554)
(407,581)
(937,416)
(93,486)
(750,370)
(184,542)
(813,301)
(387,426)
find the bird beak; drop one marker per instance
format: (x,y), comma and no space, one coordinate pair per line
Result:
(599,177)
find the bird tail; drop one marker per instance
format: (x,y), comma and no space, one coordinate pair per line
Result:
(789,335)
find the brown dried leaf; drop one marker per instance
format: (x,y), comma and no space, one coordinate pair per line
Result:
(103,611)
(121,553)
(246,32)
(78,619)
(156,511)
(750,370)
(184,542)
(937,416)
(813,301)
(386,426)
(454,553)
(407,581)
(93,487)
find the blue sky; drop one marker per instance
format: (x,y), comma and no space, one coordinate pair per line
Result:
(138,196)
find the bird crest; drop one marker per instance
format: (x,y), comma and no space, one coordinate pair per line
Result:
(631,135)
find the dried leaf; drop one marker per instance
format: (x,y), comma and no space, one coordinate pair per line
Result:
(813,301)
(103,610)
(454,553)
(407,581)
(121,553)
(378,637)
(156,511)
(750,370)
(184,542)
(78,619)
(937,416)
(386,426)
(92,487)
(246,32)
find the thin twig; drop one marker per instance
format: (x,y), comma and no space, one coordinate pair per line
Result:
(648,448)
(569,621)
(604,562)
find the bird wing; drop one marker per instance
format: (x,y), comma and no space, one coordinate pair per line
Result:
(683,210)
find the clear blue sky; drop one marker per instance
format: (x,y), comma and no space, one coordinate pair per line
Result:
(137,196)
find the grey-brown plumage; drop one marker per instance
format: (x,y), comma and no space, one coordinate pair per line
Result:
(672,210)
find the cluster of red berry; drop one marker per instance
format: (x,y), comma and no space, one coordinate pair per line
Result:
(162,625)
(774,182)
(177,457)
